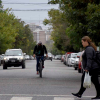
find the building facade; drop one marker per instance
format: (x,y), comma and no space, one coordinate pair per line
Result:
(39,34)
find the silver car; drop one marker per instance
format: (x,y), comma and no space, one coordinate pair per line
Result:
(14,57)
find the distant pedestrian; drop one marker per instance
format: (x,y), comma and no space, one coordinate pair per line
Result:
(89,65)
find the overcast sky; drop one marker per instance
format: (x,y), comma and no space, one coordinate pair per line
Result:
(30,16)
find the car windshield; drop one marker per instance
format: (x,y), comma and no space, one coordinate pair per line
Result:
(79,54)
(73,55)
(58,55)
(13,53)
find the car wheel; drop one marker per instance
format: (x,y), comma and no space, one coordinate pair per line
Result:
(23,65)
(4,66)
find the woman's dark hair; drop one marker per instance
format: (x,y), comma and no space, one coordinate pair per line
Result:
(87,38)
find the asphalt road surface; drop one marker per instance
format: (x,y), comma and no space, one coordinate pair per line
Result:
(58,82)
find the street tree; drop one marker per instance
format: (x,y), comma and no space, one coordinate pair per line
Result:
(7,31)
(14,33)
(83,17)
(59,24)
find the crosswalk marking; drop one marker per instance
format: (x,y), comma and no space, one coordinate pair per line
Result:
(21,98)
(63,98)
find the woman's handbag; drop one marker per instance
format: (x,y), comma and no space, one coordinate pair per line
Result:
(87,80)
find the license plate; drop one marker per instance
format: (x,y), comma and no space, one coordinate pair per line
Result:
(12,60)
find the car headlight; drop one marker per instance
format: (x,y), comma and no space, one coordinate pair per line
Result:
(21,58)
(6,58)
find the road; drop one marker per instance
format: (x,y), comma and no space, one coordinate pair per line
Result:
(58,82)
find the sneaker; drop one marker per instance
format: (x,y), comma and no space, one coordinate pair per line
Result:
(76,95)
(96,98)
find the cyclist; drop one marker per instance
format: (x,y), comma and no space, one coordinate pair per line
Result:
(39,50)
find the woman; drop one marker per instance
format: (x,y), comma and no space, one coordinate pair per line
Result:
(89,65)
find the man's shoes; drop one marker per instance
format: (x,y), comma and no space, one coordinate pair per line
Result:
(96,98)
(76,95)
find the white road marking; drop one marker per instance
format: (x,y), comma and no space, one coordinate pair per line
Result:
(21,98)
(31,95)
(63,98)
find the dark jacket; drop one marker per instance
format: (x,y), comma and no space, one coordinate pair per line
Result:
(88,59)
(40,50)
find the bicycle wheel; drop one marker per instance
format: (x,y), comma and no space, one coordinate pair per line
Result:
(40,69)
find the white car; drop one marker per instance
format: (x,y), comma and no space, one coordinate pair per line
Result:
(67,59)
(58,57)
(13,57)
(49,56)
(71,59)
(77,60)
(27,57)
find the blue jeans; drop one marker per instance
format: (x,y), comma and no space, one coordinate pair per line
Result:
(38,59)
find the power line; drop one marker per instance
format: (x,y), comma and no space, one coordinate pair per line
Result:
(30,9)
(31,3)
(24,3)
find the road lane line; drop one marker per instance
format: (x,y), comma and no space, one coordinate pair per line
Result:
(21,98)
(63,98)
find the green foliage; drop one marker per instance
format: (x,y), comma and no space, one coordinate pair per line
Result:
(93,19)
(14,34)
(7,31)
(0,3)
(55,51)
(83,18)
(45,22)
(24,39)
(59,24)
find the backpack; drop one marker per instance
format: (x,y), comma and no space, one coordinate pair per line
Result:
(98,57)
(38,52)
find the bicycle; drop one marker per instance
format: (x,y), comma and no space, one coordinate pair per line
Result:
(40,67)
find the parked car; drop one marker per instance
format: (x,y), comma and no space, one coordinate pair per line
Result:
(31,57)
(49,56)
(71,59)
(53,56)
(77,60)
(62,58)
(1,58)
(66,55)
(14,57)
(27,57)
(58,57)
(67,59)
(80,68)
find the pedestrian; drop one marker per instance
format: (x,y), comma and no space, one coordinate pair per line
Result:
(89,65)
